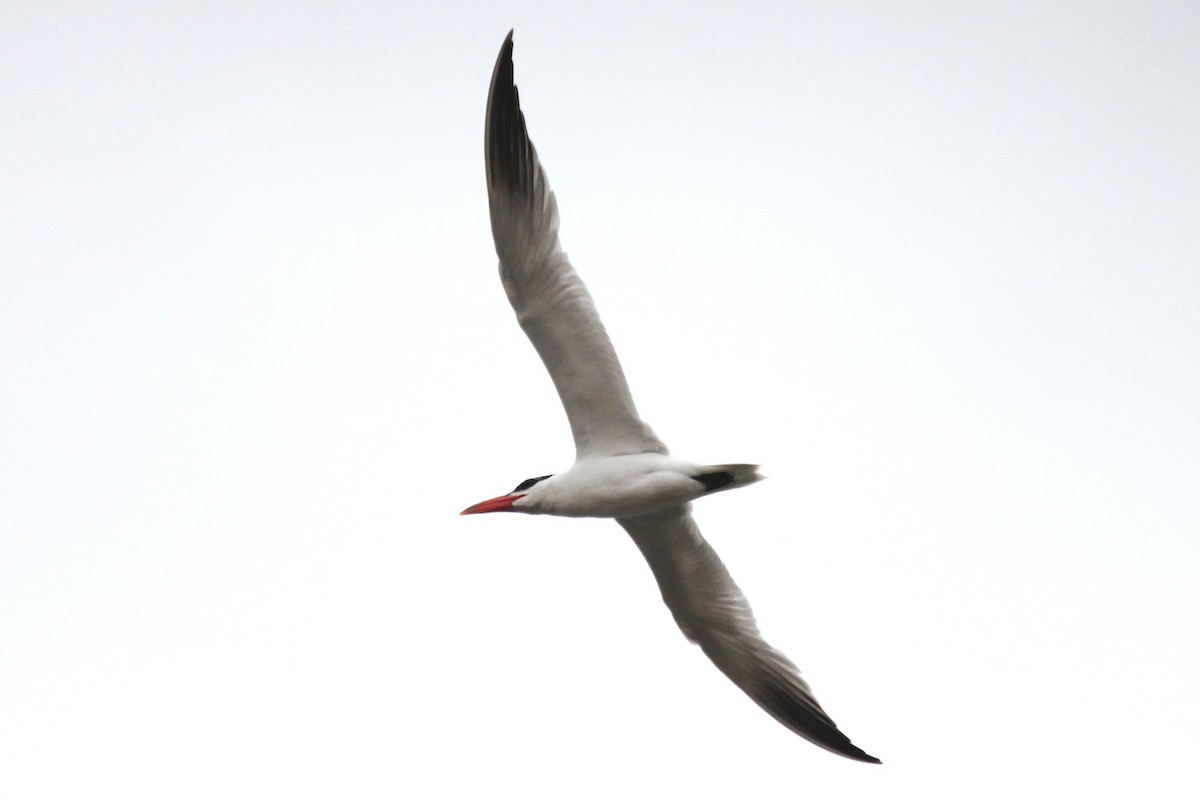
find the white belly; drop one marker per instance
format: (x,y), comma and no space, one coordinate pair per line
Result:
(621,486)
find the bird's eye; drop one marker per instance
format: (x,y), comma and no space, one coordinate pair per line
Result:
(525,484)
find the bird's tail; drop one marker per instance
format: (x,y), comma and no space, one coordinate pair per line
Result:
(727,476)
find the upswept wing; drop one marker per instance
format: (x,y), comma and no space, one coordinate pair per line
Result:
(712,612)
(552,304)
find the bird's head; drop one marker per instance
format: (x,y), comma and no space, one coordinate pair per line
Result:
(523,498)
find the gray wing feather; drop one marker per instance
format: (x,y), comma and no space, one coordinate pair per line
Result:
(551,302)
(712,612)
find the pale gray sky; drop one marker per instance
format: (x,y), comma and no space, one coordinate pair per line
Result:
(935,265)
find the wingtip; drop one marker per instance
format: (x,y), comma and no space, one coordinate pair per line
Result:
(793,704)
(861,756)
(848,749)
(506,50)
(508,153)
(504,57)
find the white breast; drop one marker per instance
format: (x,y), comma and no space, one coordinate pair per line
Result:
(616,486)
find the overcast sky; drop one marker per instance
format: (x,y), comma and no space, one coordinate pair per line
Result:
(936,266)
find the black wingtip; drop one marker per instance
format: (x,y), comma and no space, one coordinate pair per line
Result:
(806,718)
(502,73)
(507,149)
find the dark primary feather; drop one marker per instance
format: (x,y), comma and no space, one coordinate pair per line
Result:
(551,302)
(712,612)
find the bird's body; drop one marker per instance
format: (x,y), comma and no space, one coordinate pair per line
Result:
(628,486)
(622,470)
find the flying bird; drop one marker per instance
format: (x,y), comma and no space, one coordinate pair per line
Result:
(622,470)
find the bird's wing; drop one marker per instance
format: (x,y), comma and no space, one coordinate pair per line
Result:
(712,612)
(551,302)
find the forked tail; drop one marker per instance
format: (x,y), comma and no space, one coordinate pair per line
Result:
(727,476)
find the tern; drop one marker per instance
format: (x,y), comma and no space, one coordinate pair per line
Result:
(622,470)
